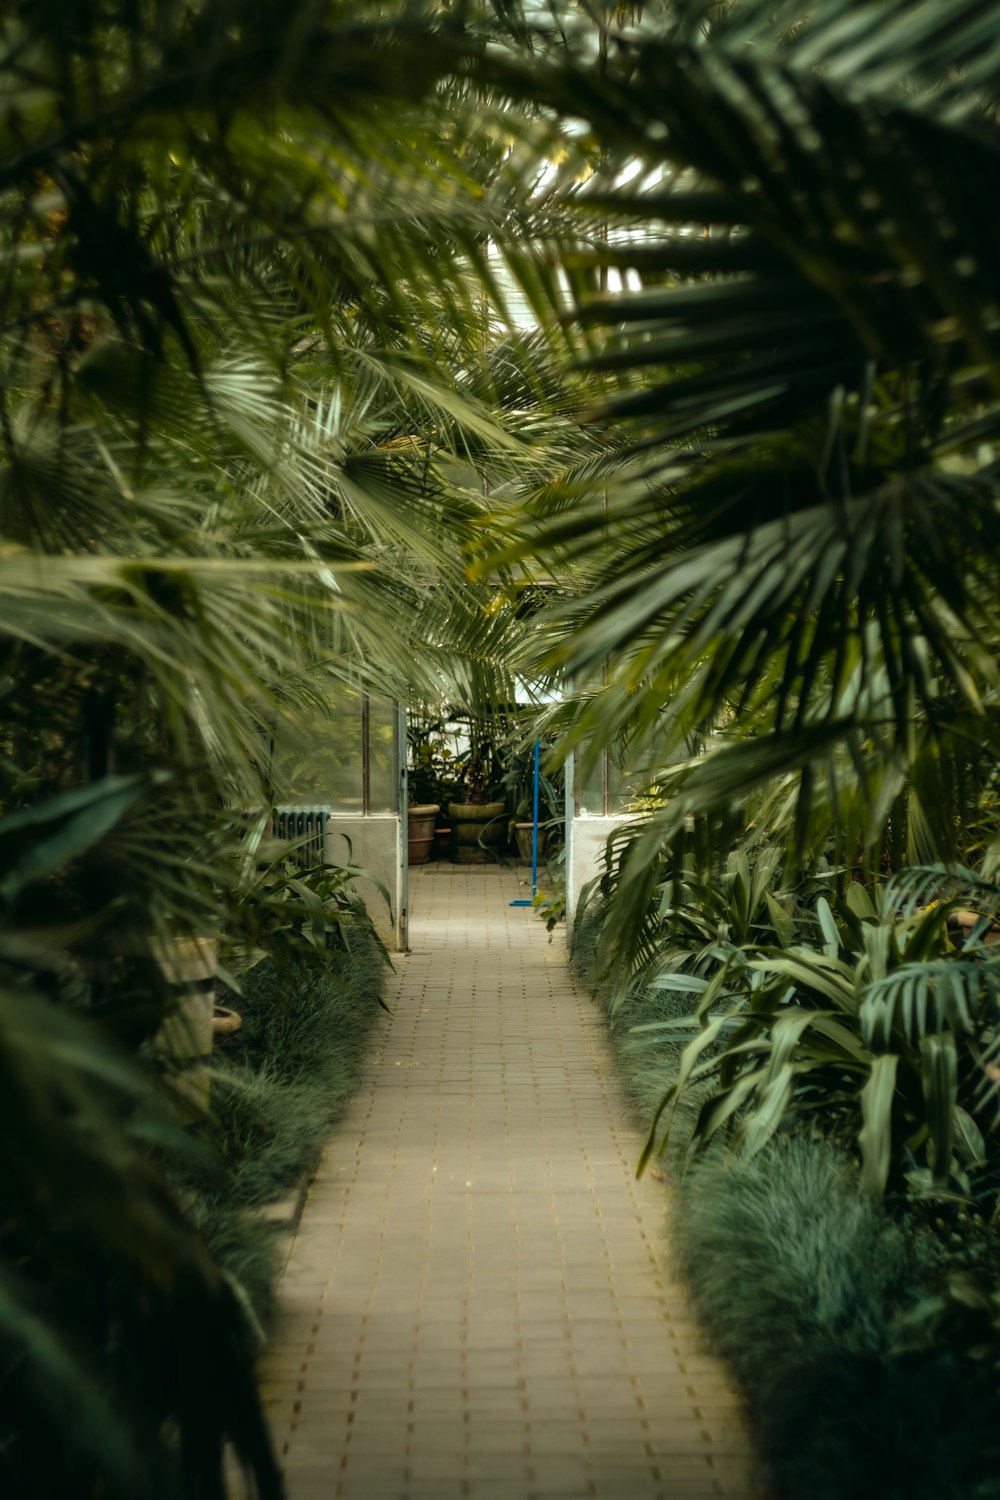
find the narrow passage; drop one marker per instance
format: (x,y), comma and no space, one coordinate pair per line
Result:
(475,1303)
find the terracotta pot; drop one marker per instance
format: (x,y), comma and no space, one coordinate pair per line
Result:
(225,1021)
(420,821)
(443,844)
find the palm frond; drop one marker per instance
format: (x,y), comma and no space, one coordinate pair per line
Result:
(927,999)
(807,376)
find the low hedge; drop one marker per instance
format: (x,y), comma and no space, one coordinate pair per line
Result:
(811,1294)
(279,1084)
(804,1287)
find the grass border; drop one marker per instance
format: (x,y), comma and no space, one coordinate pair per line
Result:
(800,1282)
(279,1086)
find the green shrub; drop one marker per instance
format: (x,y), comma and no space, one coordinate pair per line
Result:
(249,1250)
(845,1331)
(270,1132)
(279,1084)
(877,1027)
(310,1015)
(801,1284)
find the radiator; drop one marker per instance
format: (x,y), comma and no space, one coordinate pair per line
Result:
(306,828)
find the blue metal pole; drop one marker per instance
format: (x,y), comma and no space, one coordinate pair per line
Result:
(534,830)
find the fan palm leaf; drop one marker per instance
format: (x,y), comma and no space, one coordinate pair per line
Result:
(803,541)
(245,433)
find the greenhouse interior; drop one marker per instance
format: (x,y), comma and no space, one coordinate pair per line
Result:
(499,811)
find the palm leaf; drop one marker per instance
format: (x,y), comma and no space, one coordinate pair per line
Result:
(789,545)
(875,1136)
(930,998)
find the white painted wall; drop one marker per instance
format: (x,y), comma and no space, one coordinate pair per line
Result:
(376,843)
(587,835)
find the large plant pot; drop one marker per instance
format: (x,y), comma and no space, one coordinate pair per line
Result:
(479,829)
(420,821)
(184,1040)
(442,842)
(522,833)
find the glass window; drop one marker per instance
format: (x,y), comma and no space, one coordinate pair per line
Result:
(601,788)
(345,757)
(383,756)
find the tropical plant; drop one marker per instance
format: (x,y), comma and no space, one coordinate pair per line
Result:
(694,919)
(884,1035)
(242,261)
(112,1312)
(798,550)
(279,906)
(517,756)
(696,923)
(431,772)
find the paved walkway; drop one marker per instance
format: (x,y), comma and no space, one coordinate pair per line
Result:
(475,1303)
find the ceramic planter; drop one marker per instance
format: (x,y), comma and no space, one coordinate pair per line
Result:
(522,833)
(184,1040)
(479,829)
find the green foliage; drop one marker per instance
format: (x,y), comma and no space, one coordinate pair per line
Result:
(249,1250)
(781,604)
(245,433)
(550,899)
(268,1130)
(962,1313)
(882,1032)
(111,1309)
(280,908)
(303,1014)
(517,756)
(278,1085)
(812,1296)
(459,754)
(639,1024)
(692,920)
(693,927)
(792,562)
(433,774)
(483,756)
(865,1366)
(246,437)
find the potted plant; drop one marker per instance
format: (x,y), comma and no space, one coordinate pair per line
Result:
(432,781)
(479,823)
(524,836)
(518,785)
(184,1040)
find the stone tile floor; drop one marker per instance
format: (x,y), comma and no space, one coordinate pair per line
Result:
(475,1303)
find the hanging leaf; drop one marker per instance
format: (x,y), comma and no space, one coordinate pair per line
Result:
(875,1135)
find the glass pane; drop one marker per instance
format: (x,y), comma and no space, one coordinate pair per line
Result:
(338,752)
(590,786)
(604,788)
(619,787)
(318,760)
(383,756)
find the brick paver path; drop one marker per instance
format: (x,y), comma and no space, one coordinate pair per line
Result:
(475,1303)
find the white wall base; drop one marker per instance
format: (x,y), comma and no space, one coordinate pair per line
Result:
(375,843)
(588,835)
